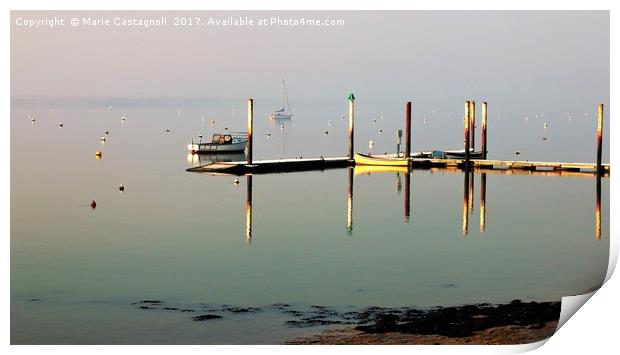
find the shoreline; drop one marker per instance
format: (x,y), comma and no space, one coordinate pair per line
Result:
(504,335)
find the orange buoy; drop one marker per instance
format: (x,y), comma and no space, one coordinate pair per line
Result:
(98,155)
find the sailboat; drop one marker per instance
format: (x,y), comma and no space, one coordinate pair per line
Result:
(285,112)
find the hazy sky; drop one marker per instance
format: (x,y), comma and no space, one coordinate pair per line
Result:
(544,55)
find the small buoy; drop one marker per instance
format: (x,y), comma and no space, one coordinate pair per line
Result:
(121,187)
(236,181)
(326,132)
(544,138)
(282,127)
(102,138)
(200,136)
(98,154)
(545,125)
(93,204)
(374,121)
(370,144)
(124,117)
(517,152)
(226,128)
(425,120)
(268,135)
(212,122)
(32,119)
(167,129)
(61,124)
(106,132)
(380,131)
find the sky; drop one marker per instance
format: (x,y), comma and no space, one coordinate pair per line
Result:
(511,56)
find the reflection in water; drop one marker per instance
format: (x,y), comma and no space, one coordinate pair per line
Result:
(471,193)
(399,185)
(468,191)
(407,196)
(465,203)
(248,210)
(483,202)
(194,160)
(350,202)
(597,212)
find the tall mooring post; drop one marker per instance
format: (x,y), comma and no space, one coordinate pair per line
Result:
(484,130)
(472,125)
(466,128)
(250,127)
(351,99)
(599,140)
(408,130)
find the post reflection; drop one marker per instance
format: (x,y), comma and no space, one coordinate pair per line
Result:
(407,196)
(483,202)
(248,210)
(471,193)
(350,202)
(597,211)
(465,202)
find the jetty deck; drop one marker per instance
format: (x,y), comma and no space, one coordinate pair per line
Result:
(309,164)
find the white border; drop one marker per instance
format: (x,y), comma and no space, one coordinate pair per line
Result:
(592,329)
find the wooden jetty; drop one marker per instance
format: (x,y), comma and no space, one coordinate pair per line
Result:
(250,166)
(307,164)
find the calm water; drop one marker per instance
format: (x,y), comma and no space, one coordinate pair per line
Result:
(185,237)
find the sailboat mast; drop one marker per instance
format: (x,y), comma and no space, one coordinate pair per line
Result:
(285,98)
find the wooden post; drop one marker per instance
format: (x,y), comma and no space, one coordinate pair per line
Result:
(250,127)
(407,196)
(466,127)
(351,121)
(472,125)
(408,130)
(350,202)
(484,130)
(248,210)
(599,140)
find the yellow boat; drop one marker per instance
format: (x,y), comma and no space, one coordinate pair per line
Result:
(371,169)
(361,159)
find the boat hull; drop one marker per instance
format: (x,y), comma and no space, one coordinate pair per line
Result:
(362,159)
(277,116)
(206,148)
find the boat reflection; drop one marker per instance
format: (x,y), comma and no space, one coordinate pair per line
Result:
(194,160)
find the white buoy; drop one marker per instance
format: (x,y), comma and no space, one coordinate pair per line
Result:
(61,124)
(236,182)
(102,138)
(282,127)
